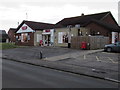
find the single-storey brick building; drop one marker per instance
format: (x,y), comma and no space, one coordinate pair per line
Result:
(30,33)
(96,24)
(59,34)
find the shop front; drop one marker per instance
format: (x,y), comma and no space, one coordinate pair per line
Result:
(48,37)
(25,36)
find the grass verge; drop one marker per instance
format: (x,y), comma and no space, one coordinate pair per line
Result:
(8,46)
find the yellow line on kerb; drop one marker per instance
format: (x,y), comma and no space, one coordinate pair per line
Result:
(112,60)
(97,58)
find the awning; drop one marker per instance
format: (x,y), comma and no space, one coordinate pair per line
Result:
(46,33)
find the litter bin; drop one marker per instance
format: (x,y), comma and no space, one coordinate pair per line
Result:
(83,45)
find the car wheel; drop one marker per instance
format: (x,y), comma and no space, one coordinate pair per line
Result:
(109,49)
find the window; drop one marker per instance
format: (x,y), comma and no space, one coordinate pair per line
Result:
(62,37)
(65,38)
(16,38)
(39,37)
(25,37)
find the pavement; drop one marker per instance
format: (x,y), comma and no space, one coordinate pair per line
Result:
(82,62)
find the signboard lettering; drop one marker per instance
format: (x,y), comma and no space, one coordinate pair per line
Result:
(47,30)
(24,27)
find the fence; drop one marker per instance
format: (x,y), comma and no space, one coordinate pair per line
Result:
(93,42)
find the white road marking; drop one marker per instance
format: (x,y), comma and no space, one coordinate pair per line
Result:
(84,57)
(97,58)
(112,60)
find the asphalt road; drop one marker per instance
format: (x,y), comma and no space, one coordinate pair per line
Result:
(20,75)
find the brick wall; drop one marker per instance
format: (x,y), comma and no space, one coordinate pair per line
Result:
(97,28)
(109,19)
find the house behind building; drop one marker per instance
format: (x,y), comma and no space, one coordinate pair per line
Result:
(11,34)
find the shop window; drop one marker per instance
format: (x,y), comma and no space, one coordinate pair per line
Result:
(65,38)
(19,38)
(16,38)
(28,37)
(62,37)
(25,37)
(39,37)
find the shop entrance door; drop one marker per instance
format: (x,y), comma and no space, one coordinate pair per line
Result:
(46,40)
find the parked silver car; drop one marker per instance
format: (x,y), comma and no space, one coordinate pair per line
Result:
(112,47)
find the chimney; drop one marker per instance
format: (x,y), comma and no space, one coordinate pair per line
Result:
(82,14)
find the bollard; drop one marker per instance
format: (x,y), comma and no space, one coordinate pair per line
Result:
(40,54)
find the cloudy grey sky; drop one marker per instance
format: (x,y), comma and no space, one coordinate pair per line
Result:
(50,11)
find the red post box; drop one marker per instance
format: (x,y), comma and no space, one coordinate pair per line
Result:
(83,45)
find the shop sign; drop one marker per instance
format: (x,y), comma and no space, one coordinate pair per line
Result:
(47,30)
(24,27)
